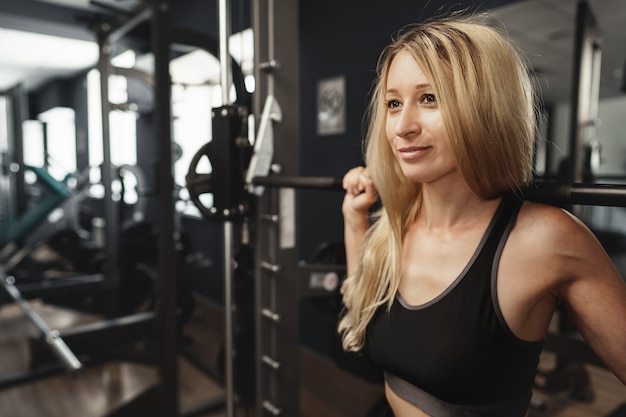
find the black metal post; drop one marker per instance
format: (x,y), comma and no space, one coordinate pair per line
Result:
(585,90)
(110,206)
(166,314)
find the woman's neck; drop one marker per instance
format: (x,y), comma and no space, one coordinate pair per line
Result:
(450,207)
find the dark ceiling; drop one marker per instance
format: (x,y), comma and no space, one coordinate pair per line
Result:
(65,18)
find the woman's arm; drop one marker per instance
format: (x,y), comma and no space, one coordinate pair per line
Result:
(360,196)
(594,293)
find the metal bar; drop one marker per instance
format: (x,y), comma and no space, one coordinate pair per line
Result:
(52,337)
(225,64)
(268,266)
(266,312)
(60,286)
(270,218)
(19,113)
(611,195)
(270,362)
(320,183)
(266,221)
(25,377)
(131,324)
(271,408)
(110,210)
(226,83)
(585,81)
(142,13)
(228,318)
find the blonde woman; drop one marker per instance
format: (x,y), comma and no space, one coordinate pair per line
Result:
(452,284)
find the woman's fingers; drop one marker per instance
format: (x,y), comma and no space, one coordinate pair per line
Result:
(353,181)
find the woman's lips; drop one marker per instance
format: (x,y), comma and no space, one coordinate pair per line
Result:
(412,152)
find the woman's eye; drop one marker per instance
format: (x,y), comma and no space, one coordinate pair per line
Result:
(429,99)
(393,104)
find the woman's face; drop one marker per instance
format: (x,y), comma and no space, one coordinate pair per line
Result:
(414,125)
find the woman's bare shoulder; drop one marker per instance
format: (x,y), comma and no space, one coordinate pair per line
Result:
(555,237)
(549,222)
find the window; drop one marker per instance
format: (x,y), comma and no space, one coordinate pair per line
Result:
(61,137)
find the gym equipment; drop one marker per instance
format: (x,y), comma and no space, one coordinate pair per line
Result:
(243,328)
(52,337)
(86,343)
(228,156)
(30,229)
(569,373)
(162,398)
(611,195)
(330,304)
(62,218)
(26,224)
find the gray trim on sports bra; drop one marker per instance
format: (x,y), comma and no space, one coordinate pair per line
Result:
(494,282)
(459,277)
(456,281)
(435,407)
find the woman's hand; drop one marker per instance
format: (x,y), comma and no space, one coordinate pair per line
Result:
(360,192)
(360,196)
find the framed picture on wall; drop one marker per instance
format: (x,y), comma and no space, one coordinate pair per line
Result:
(331,106)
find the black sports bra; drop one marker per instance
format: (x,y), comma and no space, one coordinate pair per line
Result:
(455,355)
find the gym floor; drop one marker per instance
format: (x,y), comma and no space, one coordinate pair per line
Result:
(102,388)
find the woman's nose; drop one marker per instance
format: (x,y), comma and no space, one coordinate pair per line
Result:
(408,122)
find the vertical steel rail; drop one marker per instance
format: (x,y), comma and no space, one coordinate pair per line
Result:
(107,35)
(276,63)
(19,112)
(226,83)
(110,214)
(226,77)
(259,25)
(166,314)
(585,88)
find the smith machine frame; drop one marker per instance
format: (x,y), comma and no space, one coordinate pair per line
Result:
(80,338)
(281,280)
(162,399)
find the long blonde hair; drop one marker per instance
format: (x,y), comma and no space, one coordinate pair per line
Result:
(487,103)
